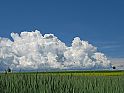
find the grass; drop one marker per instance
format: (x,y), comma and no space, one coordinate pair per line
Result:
(63,82)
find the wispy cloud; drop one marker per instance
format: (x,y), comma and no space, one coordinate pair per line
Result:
(108,45)
(111,48)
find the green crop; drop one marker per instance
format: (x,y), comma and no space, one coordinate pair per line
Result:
(62,82)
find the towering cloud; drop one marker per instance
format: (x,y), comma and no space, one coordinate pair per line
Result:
(32,50)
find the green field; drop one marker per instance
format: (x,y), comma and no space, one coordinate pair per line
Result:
(63,82)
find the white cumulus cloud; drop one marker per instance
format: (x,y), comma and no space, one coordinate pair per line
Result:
(32,50)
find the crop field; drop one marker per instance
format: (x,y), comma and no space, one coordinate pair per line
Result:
(63,82)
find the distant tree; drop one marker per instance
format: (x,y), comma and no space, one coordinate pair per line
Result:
(9,70)
(114,67)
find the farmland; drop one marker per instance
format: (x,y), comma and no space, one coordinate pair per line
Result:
(63,82)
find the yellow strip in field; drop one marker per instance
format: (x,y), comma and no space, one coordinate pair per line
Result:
(72,73)
(85,74)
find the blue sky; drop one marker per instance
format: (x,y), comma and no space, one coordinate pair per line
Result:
(101,22)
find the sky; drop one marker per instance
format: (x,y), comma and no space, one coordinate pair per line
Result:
(101,22)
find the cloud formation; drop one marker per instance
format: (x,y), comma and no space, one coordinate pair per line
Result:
(32,50)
